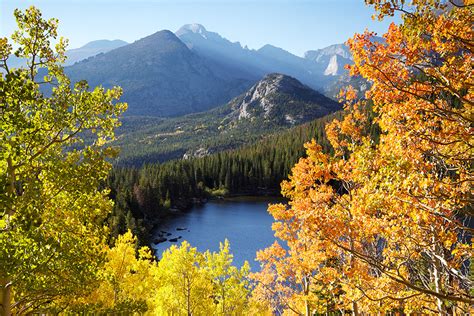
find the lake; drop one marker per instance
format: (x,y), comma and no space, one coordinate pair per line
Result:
(244,221)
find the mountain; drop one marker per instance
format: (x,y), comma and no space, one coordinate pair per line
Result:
(77,54)
(253,63)
(331,59)
(193,70)
(275,103)
(222,51)
(161,76)
(327,52)
(279,100)
(91,49)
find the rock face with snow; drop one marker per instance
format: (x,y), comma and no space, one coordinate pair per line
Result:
(326,53)
(278,99)
(336,66)
(332,59)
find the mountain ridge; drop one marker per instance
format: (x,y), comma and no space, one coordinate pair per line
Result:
(74,55)
(91,49)
(275,103)
(160,76)
(169,74)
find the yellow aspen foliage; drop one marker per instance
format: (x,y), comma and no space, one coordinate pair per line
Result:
(231,288)
(189,282)
(127,281)
(183,286)
(52,210)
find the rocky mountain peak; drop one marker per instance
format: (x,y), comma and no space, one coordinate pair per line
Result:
(164,35)
(262,90)
(195,28)
(325,53)
(277,82)
(280,98)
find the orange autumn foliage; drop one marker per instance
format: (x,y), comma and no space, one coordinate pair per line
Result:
(383,224)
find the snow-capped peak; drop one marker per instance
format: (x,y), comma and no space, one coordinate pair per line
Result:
(193,28)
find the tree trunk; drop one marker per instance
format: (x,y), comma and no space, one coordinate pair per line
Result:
(306,292)
(6,308)
(355,309)
(6,297)
(188,296)
(223,300)
(437,276)
(439,302)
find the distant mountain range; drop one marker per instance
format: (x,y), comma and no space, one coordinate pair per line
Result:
(77,54)
(161,76)
(91,49)
(275,103)
(193,70)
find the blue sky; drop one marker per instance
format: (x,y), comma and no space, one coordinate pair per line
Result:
(294,25)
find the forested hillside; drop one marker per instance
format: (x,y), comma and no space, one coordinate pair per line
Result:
(145,194)
(275,103)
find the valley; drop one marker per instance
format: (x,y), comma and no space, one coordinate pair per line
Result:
(274,104)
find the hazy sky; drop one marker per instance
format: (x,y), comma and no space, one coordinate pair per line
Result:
(295,25)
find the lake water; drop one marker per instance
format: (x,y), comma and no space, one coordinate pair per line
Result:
(245,222)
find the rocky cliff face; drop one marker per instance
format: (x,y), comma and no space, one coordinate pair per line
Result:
(280,99)
(261,95)
(326,53)
(331,59)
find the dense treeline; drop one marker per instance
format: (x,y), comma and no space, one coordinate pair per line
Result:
(143,195)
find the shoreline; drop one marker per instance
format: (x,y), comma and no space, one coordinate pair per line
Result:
(239,197)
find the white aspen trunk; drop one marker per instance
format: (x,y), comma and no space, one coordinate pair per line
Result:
(439,303)
(306,292)
(437,278)
(6,283)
